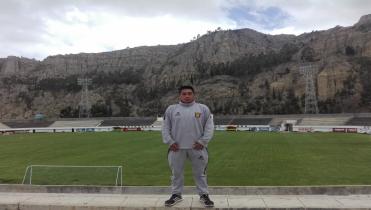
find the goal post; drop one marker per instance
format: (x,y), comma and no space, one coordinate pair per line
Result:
(72,175)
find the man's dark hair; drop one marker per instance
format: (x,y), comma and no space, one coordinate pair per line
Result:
(188,87)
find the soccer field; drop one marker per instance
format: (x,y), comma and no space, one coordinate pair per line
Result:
(236,158)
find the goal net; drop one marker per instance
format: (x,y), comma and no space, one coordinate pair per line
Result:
(73,175)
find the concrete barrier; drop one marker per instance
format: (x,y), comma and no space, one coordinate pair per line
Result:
(214,190)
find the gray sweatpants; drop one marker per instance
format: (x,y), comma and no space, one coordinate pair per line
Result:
(199,159)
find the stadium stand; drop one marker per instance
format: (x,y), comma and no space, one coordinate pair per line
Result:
(323,121)
(250,121)
(277,121)
(2,126)
(129,121)
(359,121)
(157,123)
(27,124)
(286,121)
(75,123)
(221,120)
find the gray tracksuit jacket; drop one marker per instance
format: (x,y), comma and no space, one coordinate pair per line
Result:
(186,124)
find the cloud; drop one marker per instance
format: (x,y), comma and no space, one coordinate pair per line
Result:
(39,28)
(309,15)
(107,31)
(268,18)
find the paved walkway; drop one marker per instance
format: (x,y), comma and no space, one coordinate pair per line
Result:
(72,201)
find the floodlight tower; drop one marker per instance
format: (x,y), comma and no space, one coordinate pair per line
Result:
(84,105)
(309,72)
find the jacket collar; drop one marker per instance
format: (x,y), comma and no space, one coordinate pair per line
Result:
(187,104)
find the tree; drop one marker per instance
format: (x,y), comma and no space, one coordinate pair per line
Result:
(125,107)
(350,51)
(69,112)
(101,110)
(308,54)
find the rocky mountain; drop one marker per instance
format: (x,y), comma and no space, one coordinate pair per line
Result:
(234,72)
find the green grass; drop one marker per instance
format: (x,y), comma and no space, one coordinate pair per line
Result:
(236,158)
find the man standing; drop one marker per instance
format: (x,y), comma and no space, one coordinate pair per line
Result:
(187,129)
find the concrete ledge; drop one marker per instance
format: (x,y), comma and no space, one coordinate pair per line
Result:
(214,190)
(70,201)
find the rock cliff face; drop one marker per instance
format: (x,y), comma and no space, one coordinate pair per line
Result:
(235,72)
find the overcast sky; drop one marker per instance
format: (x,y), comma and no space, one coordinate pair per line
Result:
(38,28)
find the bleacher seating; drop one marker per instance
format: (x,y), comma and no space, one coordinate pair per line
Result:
(2,126)
(129,121)
(28,124)
(277,121)
(157,123)
(324,121)
(250,121)
(359,121)
(222,120)
(75,123)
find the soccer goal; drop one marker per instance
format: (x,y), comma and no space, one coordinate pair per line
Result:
(73,175)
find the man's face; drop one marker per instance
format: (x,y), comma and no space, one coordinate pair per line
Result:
(187,96)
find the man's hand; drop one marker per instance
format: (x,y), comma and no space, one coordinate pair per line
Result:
(198,146)
(174,147)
